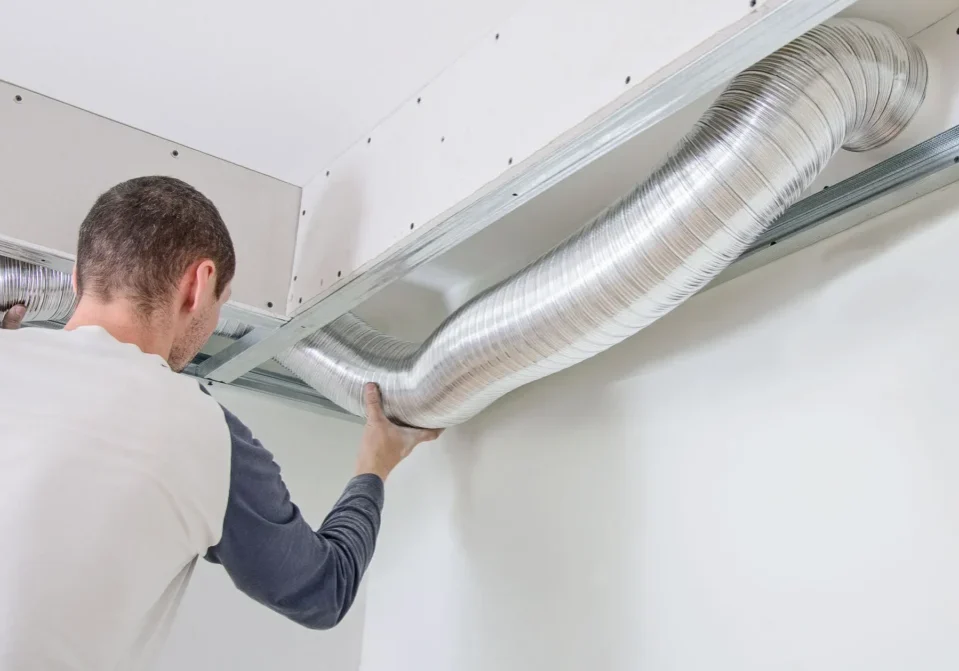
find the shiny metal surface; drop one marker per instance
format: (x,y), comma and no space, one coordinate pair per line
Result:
(47,294)
(846,83)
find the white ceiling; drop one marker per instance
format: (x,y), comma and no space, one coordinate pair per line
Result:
(281,87)
(413,307)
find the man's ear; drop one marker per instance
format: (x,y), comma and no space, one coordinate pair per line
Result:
(202,284)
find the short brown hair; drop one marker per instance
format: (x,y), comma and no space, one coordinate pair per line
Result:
(142,235)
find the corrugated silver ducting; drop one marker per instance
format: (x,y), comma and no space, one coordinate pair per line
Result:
(847,83)
(47,294)
(758,147)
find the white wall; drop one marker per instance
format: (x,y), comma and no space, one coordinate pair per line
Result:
(765,479)
(218,627)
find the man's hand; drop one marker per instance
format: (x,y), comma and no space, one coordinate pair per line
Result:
(385,444)
(13,318)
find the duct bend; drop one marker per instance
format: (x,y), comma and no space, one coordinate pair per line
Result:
(847,83)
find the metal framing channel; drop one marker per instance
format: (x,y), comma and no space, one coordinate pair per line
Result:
(281,386)
(771,27)
(285,387)
(911,174)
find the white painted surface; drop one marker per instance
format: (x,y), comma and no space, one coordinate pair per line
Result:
(765,479)
(280,87)
(56,161)
(218,627)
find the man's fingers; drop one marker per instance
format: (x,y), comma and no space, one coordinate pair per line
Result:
(14,317)
(374,404)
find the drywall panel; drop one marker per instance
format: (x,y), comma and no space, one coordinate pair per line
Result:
(764,479)
(217,626)
(282,87)
(56,160)
(536,80)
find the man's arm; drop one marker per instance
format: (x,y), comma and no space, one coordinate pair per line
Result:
(272,554)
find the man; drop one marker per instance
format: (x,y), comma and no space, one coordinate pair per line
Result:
(116,473)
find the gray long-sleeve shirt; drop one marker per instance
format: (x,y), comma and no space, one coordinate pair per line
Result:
(274,556)
(115,474)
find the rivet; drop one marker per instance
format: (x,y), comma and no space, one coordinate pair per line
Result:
(18,98)
(269,304)
(174,153)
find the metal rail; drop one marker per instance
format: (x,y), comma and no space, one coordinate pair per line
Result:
(282,386)
(911,174)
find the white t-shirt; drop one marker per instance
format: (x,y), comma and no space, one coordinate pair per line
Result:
(114,477)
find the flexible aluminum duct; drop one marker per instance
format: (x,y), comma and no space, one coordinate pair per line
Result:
(847,83)
(47,294)
(759,146)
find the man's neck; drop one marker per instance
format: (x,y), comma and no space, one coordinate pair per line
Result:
(120,319)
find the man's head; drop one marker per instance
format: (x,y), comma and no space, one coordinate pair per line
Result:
(159,246)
